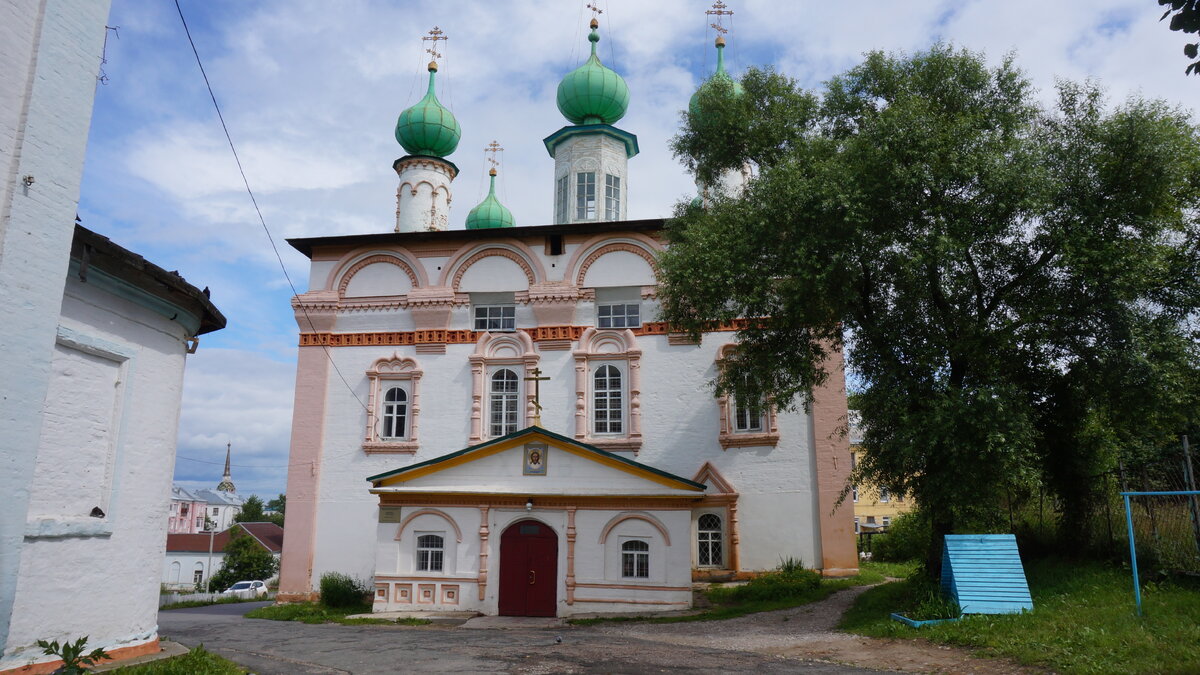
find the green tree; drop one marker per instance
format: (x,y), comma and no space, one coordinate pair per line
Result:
(1016,281)
(277,507)
(1186,19)
(245,560)
(252,511)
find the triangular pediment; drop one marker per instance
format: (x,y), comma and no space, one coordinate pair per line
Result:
(716,483)
(536,462)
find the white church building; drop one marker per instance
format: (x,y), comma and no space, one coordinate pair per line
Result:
(520,434)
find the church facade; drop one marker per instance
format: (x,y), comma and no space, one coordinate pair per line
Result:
(517,433)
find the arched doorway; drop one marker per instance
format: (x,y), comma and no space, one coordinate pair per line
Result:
(528,570)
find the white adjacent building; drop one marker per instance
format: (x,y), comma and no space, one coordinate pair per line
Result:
(520,434)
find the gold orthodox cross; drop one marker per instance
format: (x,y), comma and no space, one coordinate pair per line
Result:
(434,35)
(537,379)
(719,10)
(596,11)
(491,150)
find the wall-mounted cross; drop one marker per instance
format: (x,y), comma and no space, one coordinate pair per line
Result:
(434,36)
(537,379)
(719,10)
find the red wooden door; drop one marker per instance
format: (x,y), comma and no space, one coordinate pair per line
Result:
(528,570)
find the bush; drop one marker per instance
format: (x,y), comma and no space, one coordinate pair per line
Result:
(905,540)
(791,580)
(342,590)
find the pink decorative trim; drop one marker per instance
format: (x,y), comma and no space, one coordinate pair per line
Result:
(429,512)
(728,437)
(483,550)
(622,517)
(722,492)
(609,248)
(636,587)
(489,351)
(353,262)
(387,370)
(514,250)
(571,556)
(590,250)
(608,345)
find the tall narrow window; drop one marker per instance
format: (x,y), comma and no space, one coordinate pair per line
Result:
(606,395)
(708,540)
(562,207)
(585,195)
(885,495)
(503,408)
(635,559)
(395,414)
(612,197)
(748,413)
(429,553)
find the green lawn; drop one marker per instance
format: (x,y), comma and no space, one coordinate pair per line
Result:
(195,662)
(205,603)
(312,612)
(1083,621)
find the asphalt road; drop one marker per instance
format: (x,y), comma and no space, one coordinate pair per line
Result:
(269,647)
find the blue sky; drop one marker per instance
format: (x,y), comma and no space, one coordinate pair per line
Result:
(311,91)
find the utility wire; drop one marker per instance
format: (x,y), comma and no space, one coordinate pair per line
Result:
(246,466)
(257,210)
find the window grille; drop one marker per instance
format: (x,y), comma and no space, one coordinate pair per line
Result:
(619,316)
(709,540)
(496,317)
(585,195)
(635,559)
(505,387)
(612,197)
(395,413)
(607,399)
(429,553)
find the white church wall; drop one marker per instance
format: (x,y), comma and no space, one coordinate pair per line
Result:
(619,268)
(377,279)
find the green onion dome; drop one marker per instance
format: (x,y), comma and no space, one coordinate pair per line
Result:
(719,76)
(592,93)
(490,213)
(428,128)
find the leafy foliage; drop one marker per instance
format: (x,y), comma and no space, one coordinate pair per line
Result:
(1019,283)
(1186,19)
(75,660)
(245,560)
(906,539)
(252,511)
(343,590)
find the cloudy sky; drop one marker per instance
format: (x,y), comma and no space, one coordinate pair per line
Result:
(311,91)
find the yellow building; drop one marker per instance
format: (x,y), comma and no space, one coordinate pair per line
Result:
(875,508)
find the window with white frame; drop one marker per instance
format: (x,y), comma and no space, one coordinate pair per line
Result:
(198,574)
(619,315)
(856,530)
(496,317)
(430,553)
(503,402)
(885,495)
(887,520)
(561,206)
(612,197)
(635,559)
(585,195)
(394,414)
(854,493)
(608,410)
(200,522)
(709,551)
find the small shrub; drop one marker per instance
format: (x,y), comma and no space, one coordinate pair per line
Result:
(905,540)
(934,605)
(75,661)
(343,590)
(790,580)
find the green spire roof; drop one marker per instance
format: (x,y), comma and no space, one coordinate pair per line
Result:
(490,213)
(592,93)
(428,128)
(719,76)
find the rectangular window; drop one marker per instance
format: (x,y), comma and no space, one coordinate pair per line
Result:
(887,520)
(496,317)
(635,559)
(198,577)
(215,511)
(200,522)
(561,205)
(854,493)
(619,315)
(429,553)
(585,195)
(612,197)
(885,495)
(748,417)
(608,401)
(856,524)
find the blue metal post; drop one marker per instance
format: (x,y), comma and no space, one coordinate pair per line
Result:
(1137,587)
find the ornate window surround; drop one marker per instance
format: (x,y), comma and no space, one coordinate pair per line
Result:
(500,349)
(729,436)
(608,347)
(385,371)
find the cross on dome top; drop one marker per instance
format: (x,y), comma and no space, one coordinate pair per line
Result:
(434,36)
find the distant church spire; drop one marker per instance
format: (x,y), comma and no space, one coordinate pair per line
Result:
(226,484)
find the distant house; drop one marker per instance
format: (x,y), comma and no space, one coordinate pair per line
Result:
(205,510)
(875,508)
(188,512)
(190,562)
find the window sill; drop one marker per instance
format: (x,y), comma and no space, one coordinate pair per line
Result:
(608,443)
(50,528)
(745,440)
(390,447)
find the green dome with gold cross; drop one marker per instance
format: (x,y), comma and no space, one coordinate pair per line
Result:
(428,128)
(490,213)
(720,79)
(593,93)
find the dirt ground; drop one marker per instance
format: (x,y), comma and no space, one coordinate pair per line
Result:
(808,632)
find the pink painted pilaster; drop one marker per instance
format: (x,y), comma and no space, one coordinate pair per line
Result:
(580,396)
(483,550)
(838,555)
(571,555)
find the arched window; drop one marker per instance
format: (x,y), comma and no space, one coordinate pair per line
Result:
(708,541)
(635,559)
(430,553)
(607,411)
(175,572)
(198,574)
(395,414)
(503,402)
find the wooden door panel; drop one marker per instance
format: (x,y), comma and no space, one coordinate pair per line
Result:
(528,570)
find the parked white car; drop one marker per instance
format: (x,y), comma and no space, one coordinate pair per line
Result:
(255,588)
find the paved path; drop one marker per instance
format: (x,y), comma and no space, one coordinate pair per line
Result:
(268,647)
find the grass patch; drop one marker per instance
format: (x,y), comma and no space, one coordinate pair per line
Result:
(894,570)
(1083,621)
(195,662)
(231,600)
(314,612)
(767,593)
